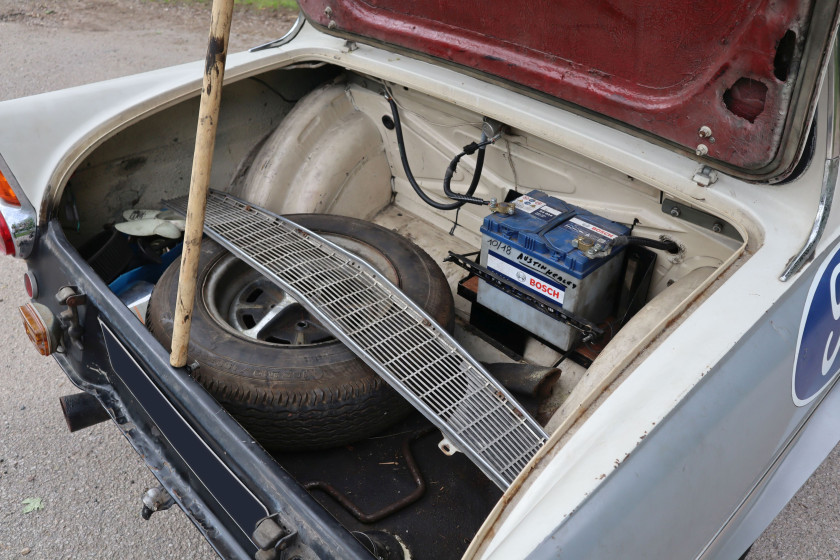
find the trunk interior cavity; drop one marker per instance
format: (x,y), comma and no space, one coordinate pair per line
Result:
(320,140)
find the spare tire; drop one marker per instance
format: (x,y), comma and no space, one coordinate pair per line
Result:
(272,365)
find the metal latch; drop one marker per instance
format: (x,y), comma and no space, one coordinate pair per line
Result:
(705,176)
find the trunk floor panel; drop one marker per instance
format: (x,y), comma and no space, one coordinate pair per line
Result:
(373,473)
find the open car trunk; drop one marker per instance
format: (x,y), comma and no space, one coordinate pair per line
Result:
(313,138)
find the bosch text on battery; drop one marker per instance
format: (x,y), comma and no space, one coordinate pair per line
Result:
(544,269)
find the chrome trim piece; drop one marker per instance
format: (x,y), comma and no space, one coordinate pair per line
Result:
(22,220)
(382,326)
(829,175)
(290,34)
(22,226)
(826,198)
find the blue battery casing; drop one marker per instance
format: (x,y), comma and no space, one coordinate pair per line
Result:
(535,212)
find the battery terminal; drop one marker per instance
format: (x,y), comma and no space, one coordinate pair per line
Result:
(590,248)
(502,207)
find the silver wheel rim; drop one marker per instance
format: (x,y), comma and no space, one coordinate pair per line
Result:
(246,304)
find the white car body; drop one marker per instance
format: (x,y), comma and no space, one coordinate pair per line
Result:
(684,438)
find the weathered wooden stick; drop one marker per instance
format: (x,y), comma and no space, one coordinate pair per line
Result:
(205,140)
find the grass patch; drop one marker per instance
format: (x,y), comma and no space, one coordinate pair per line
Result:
(271,4)
(284,5)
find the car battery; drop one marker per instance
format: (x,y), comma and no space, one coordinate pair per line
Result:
(555,250)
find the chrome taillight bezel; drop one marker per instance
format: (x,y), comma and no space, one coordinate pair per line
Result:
(22,220)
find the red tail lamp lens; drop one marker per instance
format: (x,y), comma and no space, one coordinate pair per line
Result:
(36,329)
(6,192)
(7,244)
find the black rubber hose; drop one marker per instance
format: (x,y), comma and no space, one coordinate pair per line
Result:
(665,245)
(479,164)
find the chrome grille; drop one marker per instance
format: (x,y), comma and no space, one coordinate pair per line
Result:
(395,337)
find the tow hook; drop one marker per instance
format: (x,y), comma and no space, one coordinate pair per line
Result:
(155,499)
(72,298)
(272,538)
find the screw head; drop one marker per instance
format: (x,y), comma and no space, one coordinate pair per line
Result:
(675,212)
(328,11)
(717,227)
(704,132)
(702,149)
(332,24)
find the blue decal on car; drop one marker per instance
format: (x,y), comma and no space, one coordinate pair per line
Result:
(817,359)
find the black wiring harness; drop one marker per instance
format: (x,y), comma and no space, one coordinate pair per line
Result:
(460,199)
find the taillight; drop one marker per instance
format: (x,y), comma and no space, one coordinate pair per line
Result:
(6,192)
(41,327)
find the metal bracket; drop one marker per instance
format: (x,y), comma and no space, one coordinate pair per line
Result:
(72,298)
(447,448)
(705,176)
(700,218)
(589,330)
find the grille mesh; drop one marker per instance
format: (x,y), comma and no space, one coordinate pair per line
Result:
(387,330)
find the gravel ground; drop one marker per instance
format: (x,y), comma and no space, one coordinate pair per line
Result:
(90,483)
(47,45)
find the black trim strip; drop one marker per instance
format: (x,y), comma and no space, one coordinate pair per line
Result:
(239,503)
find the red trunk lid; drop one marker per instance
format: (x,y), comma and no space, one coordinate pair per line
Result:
(737,76)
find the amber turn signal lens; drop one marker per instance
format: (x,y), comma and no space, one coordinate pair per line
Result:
(6,192)
(36,327)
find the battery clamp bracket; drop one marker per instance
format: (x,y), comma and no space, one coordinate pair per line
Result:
(588,330)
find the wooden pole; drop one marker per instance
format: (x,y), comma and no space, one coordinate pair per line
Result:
(205,140)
